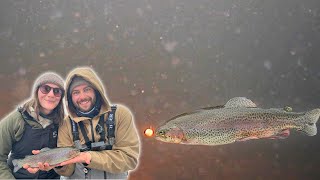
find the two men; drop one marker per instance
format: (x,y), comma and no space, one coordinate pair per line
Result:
(105,134)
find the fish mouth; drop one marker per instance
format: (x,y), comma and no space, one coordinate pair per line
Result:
(168,139)
(162,138)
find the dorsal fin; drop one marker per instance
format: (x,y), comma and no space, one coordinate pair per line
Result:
(240,102)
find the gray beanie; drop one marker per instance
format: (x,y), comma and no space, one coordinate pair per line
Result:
(77,81)
(49,77)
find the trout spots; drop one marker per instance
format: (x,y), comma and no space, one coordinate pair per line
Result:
(310,124)
(238,120)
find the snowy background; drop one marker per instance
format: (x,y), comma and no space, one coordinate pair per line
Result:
(164,58)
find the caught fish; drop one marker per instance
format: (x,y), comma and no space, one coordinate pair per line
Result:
(51,156)
(238,120)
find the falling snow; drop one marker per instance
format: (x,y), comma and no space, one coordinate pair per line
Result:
(267,65)
(163,58)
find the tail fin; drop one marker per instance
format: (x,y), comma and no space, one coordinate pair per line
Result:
(16,165)
(310,119)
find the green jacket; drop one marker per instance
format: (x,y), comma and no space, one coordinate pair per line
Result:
(11,131)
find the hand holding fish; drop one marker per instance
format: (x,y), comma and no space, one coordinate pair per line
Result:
(42,166)
(45,159)
(83,157)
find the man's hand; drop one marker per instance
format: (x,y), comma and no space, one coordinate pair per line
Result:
(83,157)
(42,166)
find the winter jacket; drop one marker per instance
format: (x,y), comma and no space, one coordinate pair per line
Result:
(113,163)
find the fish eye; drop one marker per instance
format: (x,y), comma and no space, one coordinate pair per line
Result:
(161,132)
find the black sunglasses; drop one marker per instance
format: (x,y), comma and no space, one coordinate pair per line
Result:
(45,89)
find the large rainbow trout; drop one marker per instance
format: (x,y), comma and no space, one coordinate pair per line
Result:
(238,120)
(51,156)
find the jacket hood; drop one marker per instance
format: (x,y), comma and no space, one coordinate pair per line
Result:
(89,75)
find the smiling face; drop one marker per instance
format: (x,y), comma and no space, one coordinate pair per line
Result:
(48,101)
(83,97)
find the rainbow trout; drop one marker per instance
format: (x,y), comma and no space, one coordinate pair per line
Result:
(238,120)
(51,156)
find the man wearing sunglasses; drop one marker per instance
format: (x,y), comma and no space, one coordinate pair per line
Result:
(105,134)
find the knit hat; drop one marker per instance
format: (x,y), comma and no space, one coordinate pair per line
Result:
(49,77)
(77,81)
